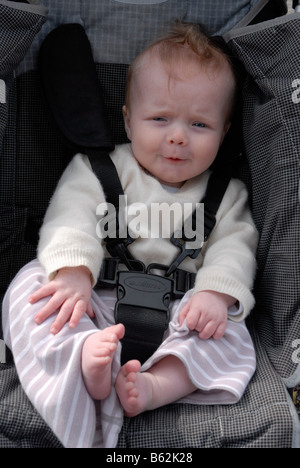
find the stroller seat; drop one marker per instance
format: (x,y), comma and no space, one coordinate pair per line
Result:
(33,156)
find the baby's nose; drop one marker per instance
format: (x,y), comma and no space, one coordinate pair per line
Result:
(178,137)
(176,141)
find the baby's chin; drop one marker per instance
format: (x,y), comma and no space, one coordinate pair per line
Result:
(174,185)
(172,182)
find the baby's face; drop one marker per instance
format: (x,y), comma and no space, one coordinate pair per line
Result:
(176,126)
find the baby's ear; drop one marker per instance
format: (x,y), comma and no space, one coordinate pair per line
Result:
(126,115)
(226,130)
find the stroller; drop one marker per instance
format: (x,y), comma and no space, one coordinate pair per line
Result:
(33,156)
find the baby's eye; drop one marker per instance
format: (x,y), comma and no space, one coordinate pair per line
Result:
(199,124)
(159,119)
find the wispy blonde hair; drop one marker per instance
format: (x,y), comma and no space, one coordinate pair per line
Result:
(185,44)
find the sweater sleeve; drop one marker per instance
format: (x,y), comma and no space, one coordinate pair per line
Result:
(68,236)
(229,263)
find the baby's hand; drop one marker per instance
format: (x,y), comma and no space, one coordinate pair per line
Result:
(71,292)
(207,312)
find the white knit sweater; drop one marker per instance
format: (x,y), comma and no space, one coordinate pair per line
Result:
(69,237)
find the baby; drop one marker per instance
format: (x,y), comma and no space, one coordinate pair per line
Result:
(180,100)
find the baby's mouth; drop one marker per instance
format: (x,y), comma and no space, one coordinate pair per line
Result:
(175,159)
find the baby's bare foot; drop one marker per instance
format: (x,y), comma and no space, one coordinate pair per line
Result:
(96,360)
(134,389)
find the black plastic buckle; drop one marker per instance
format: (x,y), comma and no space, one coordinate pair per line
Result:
(108,277)
(184,252)
(142,307)
(143,290)
(183,282)
(118,248)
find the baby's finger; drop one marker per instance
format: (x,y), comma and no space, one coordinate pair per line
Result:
(50,308)
(63,316)
(207,331)
(220,331)
(45,291)
(194,318)
(183,313)
(79,310)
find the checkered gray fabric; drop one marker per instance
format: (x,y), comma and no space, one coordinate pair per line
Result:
(33,156)
(118,30)
(18,24)
(20,425)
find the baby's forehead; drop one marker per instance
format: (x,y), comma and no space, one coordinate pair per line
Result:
(180,67)
(153,70)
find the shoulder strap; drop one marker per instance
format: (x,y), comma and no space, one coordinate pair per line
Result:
(72,91)
(215,191)
(105,170)
(216,188)
(71,88)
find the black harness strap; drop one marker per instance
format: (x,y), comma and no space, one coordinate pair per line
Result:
(72,91)
(106,172)
(216,188)
(104,168)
